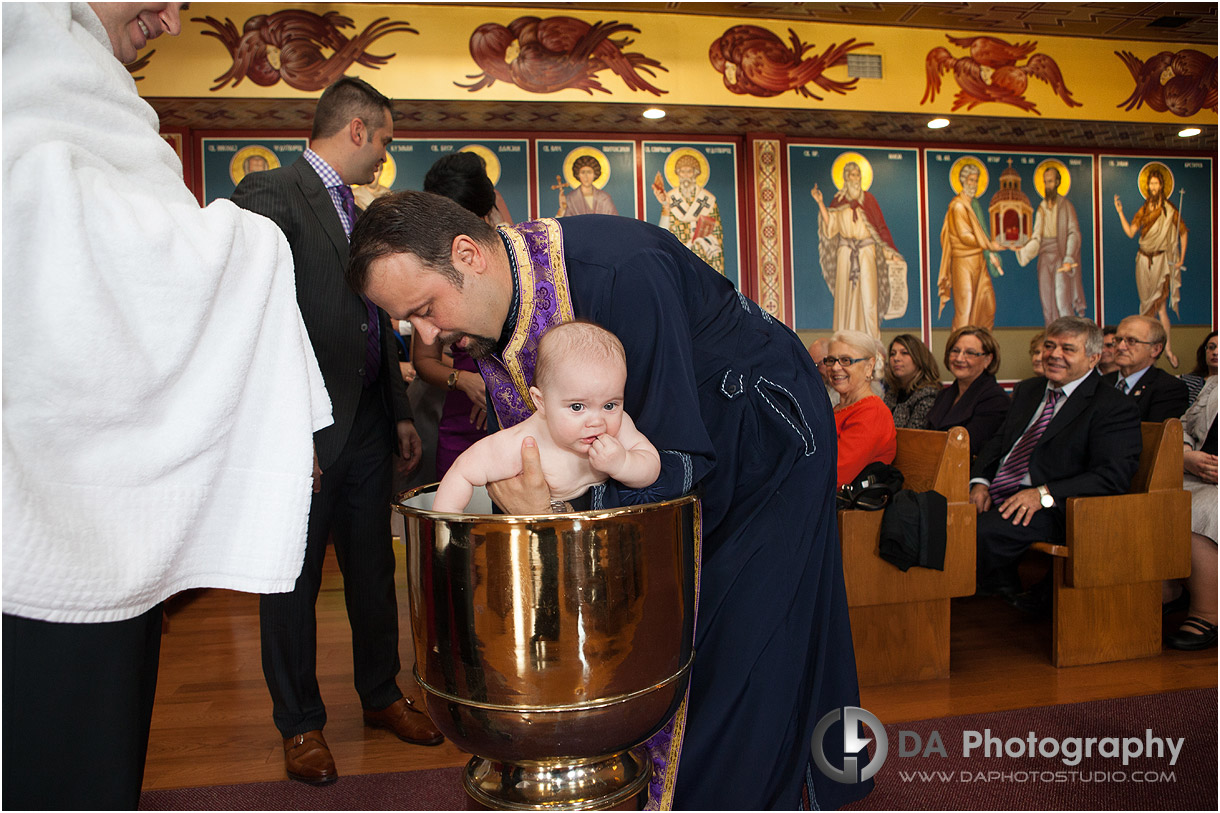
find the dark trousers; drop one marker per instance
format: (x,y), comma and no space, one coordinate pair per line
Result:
(353,510)
(78,702)
(1000,543)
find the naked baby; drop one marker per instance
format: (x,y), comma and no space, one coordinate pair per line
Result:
(584,437)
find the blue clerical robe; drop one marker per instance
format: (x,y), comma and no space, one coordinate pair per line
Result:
(733,402)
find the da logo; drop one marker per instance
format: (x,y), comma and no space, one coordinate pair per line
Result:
(853,745)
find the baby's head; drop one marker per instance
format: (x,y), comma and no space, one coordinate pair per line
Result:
(579,383)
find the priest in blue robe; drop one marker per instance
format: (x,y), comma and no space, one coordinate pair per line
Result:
(733,402)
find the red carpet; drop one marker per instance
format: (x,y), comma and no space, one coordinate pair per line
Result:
(903,783)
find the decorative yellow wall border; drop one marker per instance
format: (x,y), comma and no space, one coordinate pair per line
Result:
(454,52)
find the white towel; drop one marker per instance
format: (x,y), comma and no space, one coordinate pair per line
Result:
(167,443)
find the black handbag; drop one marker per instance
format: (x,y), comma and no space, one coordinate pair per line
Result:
(871,489)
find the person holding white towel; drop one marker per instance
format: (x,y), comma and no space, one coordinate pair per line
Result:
(178,452)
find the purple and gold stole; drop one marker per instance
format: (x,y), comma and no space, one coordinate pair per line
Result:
(535,249)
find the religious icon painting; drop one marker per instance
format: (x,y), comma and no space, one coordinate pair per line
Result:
(855,238)
(506,161)
(1010,238)
(1157,239)
(227,160)
(586,177)
(691,189)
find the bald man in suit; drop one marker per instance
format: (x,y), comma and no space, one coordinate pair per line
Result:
(1139,342)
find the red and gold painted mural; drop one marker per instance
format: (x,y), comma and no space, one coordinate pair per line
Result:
(498,53)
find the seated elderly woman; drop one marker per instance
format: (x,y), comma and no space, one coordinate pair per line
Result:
(912,382)
(974,401)
(1199,460)
(864,424)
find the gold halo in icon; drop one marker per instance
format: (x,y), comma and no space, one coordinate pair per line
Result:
(490,160)
(955,172)
(237,166)
(569,175)
(1166,173)
(1065,177)
(671,172)
(866,169)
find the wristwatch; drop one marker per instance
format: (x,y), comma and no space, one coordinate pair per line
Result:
(1047,500)
(453,376)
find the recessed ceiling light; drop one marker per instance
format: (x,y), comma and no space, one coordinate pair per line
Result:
(654,113)
(1188,132)
(936,124)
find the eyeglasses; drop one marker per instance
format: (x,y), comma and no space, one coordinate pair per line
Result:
(1129,340)
(971,353)
(842,361)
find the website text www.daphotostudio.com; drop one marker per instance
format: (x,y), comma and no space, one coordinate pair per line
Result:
(993,756)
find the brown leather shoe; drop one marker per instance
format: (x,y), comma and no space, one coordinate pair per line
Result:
(308,760)
(408,723)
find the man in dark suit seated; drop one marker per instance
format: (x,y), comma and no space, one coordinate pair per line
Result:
(1066,435)
(1139,342)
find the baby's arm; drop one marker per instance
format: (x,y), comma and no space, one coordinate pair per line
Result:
(495,457)
(629,458)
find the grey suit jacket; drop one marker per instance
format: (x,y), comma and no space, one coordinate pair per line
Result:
(336,318)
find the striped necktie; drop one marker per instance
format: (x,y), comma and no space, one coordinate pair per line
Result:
(372,344)
(1008,479)
(1122,384)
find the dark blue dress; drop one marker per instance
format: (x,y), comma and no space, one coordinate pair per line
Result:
(731,398)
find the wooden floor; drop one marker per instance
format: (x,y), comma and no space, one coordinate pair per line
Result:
(212,719)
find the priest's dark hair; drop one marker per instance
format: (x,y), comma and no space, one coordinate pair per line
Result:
(417,223)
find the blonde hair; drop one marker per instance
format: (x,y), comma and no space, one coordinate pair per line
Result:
(581,340)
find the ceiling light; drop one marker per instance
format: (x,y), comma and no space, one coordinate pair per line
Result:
(936,124)
(654,113)
(1188,132)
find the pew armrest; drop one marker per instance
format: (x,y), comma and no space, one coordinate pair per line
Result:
(1128,538)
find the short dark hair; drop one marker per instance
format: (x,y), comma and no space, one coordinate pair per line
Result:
(927,374)
(417,223)
(1109,330)
(462,177)
(990,346)
(587,161)
(346,99)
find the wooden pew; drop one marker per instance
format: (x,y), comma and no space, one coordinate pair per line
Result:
(900,621)
(1107,578)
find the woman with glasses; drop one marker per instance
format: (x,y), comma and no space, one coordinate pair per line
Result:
(864,425)
(912,382)
(974,401)
(1205,365)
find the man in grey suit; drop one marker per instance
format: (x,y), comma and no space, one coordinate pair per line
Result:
(312,203)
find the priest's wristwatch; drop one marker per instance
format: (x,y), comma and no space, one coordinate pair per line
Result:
(1046,499)
(453,378)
